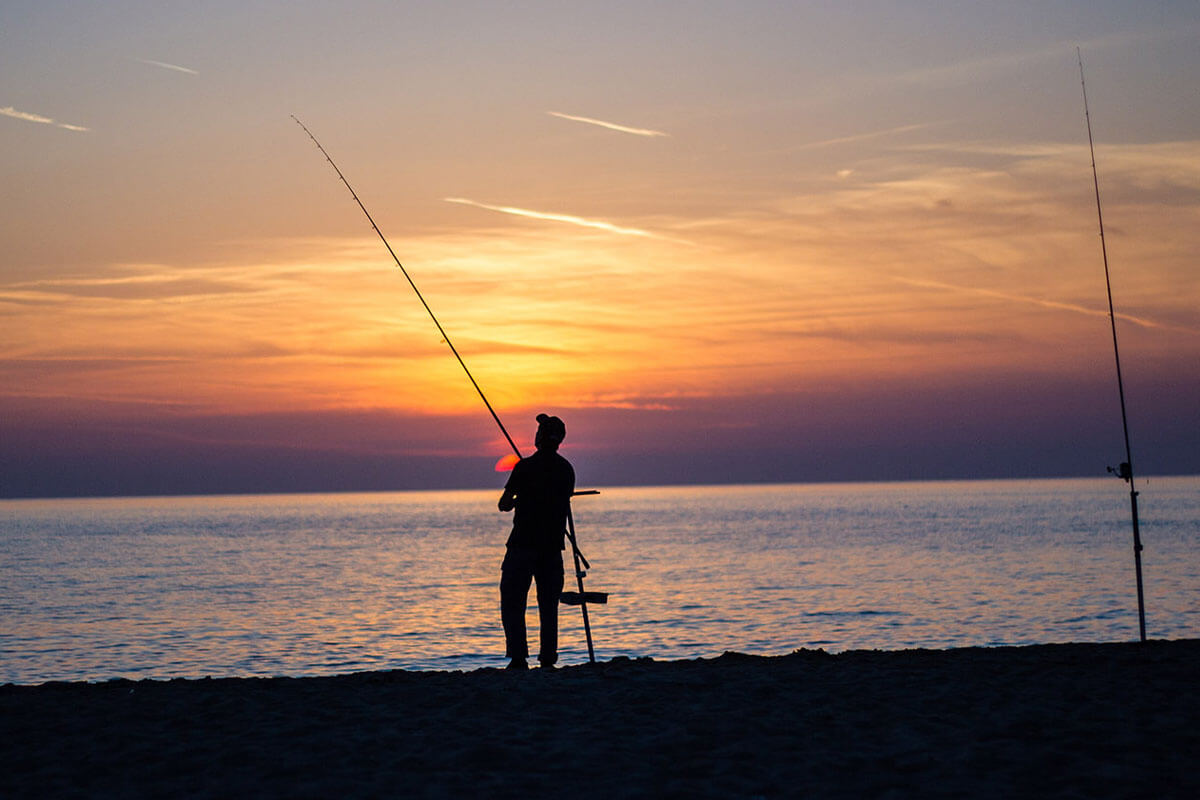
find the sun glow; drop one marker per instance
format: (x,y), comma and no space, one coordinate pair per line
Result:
(812,290)
(728,223)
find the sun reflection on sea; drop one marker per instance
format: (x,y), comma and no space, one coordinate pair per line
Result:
(322,584)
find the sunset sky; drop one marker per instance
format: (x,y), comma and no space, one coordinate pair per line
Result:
(724,241)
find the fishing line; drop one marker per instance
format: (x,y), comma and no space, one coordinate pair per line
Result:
(1125,471)
(441,330)
(463,364)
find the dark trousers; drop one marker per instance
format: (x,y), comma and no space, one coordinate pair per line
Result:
(519,568)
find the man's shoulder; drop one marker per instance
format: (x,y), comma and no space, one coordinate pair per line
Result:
(561,462)
(550,462)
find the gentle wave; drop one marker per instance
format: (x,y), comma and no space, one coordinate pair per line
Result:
(324,584)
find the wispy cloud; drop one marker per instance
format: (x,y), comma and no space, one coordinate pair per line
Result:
(165,65)
(567,218)
(856,137)
(9,111)
(999,63)
(973,68)
(1038,301)
(859,137)
(612,126)
(172,284)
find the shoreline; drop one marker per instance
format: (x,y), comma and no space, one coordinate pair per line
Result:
(1058,720)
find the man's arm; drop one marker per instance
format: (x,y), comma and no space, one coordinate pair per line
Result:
(508,500)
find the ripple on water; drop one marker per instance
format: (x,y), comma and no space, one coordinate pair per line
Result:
(304,585)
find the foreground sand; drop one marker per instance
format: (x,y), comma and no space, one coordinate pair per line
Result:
(1107,720)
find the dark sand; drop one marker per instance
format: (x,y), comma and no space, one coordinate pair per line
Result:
(1077,720)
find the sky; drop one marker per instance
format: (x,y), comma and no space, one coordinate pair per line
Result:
(725,242)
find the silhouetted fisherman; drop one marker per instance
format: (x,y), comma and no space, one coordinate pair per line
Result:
(540,490)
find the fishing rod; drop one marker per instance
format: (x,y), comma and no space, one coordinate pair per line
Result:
(441,330)
(1125,470)
(446,339)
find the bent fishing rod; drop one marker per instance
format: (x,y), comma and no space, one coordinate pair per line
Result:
(1125,470)
(441,330)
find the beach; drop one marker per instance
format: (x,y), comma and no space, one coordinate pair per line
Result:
(1059,720)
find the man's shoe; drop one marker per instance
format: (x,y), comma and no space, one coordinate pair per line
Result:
(518,663)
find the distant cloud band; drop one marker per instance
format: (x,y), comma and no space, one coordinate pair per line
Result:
(9,111)
(612,126)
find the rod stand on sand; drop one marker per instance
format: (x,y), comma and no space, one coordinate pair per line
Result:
(581,598)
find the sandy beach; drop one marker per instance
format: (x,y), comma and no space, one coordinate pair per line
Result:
(1070,720)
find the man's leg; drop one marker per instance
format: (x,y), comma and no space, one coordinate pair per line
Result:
(549,588)
(514,596)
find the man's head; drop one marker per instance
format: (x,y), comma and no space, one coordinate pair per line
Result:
(550,433)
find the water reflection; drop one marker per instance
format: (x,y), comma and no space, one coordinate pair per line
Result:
(335,583)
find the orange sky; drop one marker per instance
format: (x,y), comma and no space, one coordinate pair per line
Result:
(953,269)
(598,225)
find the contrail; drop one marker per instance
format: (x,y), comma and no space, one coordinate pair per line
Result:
(567,218)
(610,125)
(9,111)
(165,65)
(857,137)
(1055,304)
(862,136)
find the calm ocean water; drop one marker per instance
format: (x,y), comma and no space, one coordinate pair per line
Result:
(323,584)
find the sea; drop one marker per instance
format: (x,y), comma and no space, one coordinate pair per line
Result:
(322,584)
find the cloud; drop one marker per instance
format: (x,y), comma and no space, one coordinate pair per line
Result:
(567,218)
(131,287)
(9,111)
(858,137)
(165,65)
(1054,304)
(610,125)
(998,63)
(624,403)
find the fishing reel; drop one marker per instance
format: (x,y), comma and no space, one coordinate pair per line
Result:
(1124,472)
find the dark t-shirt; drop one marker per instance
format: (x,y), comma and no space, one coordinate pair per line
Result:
(542,485)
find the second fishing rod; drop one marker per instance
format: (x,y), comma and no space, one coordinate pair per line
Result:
(1125,470)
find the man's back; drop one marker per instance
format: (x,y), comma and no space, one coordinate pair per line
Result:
(542,485)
